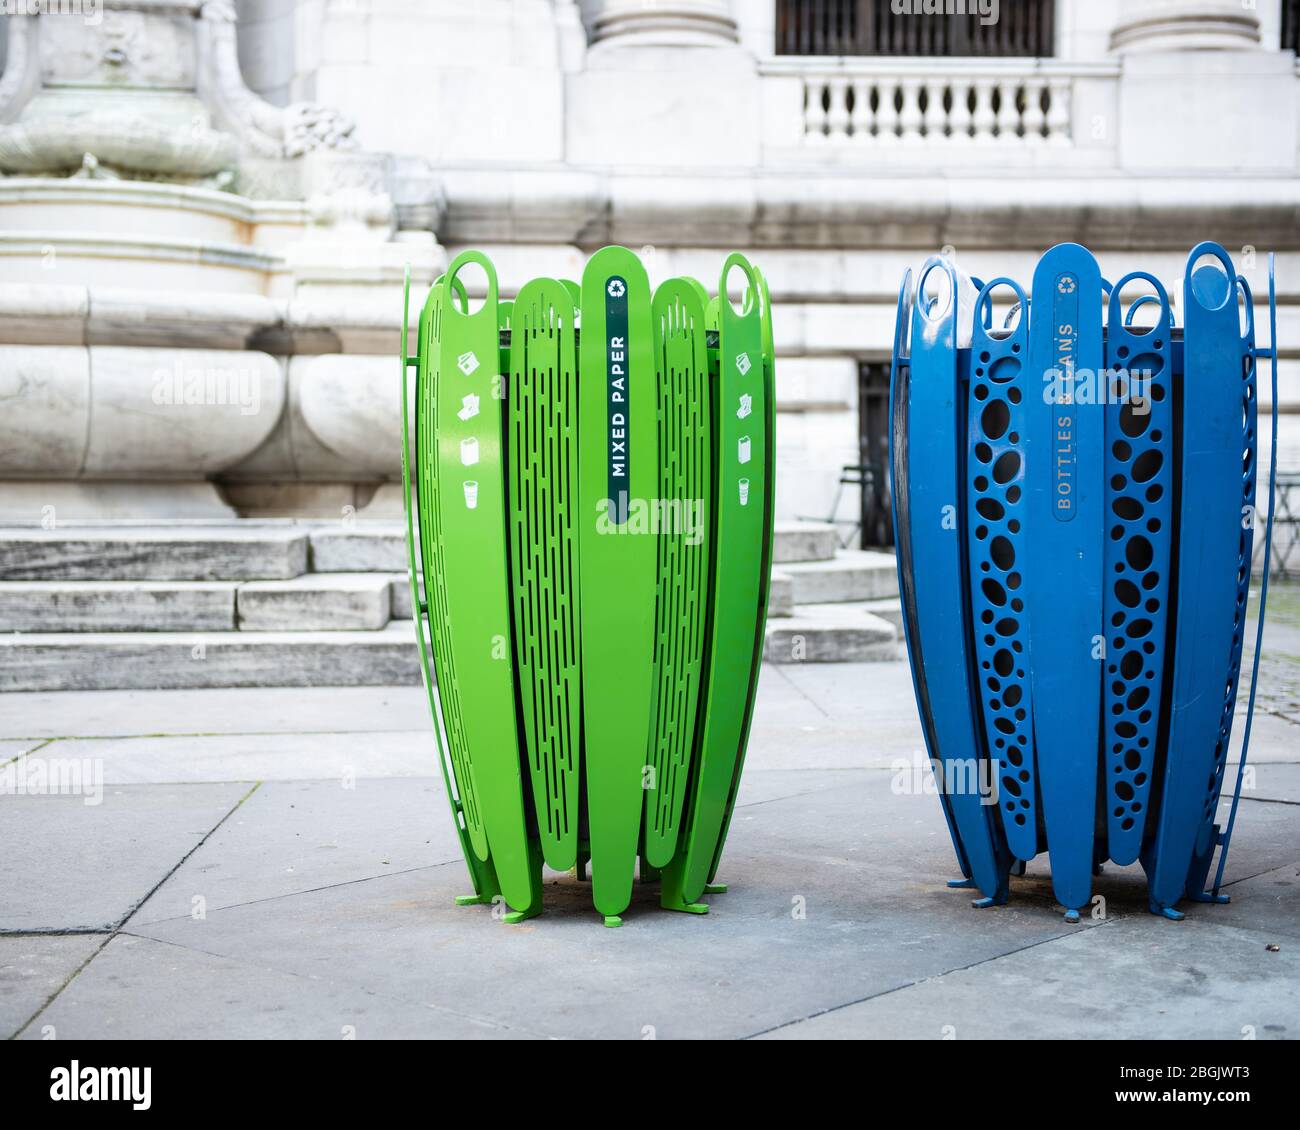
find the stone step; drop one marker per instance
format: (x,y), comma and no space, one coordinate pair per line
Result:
(117,606)
(888,609)
(831,633)
(172,660)
(153,553)
(780,599)
(804,541)
(378,547)
(852,575)
(315,602)
(399,596)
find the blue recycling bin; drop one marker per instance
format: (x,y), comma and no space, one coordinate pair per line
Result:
(1074,490)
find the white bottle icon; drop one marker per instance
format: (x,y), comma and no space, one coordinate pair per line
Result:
(469,451)
(744,449)
(471,494)
(744,492)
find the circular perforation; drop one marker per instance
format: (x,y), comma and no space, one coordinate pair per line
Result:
(995,505)
(1138,500)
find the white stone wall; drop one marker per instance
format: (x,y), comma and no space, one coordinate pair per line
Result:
(538,130)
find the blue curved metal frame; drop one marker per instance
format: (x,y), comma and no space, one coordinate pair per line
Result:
(1090,482)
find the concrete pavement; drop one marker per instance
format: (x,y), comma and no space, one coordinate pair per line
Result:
(281,863)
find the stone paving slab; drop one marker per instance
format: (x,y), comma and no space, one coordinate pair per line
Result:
(210,997)
(1269,903)
(76,866)
(1132,978)
(328,907)
(33,968)
(257,757)
(224,710)
(810,921)
(15,748)
(290,837)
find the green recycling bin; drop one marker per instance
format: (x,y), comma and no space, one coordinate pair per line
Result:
(590,537)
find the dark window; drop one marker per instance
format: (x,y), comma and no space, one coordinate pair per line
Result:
(877,528)
(1291,25)
(872,27)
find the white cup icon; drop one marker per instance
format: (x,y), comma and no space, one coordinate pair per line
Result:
(744,492)
(469,451)
(744,447)
(471,494)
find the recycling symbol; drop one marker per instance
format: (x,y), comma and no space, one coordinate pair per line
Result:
(1066,284)
(616,289)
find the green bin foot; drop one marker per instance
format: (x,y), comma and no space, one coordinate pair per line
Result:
(613,921)
(715,888)
(473,900)
(683,906)
(516,916)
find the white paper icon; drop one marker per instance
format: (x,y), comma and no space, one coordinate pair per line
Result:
(744,449)
(746,406)
(467,363)
(468,407)
(471,494)
(469,451)
(744,492)
(743,363)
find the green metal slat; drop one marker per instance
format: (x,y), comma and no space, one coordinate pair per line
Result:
(618,462)
(681,608)
(542,435)
(471,513)
(740,456)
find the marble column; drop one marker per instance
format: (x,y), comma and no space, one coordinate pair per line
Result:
(662,23)
(1185,25)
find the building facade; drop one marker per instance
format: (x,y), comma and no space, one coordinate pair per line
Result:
(207,207)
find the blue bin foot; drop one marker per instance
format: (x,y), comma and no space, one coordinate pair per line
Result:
(516,916)
(1018,868)
(715,888)
(1072,917)
(1166,912)
(473,900)
(962,884)
(613,921)
(1209,896)
(994,900)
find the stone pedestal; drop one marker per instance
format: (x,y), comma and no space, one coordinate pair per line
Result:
(667,85)
(1191,87)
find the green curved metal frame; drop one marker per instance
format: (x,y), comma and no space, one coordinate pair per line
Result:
(584,466)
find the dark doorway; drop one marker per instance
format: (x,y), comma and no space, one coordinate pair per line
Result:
(877,528)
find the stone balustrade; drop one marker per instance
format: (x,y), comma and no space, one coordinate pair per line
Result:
(997,109)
